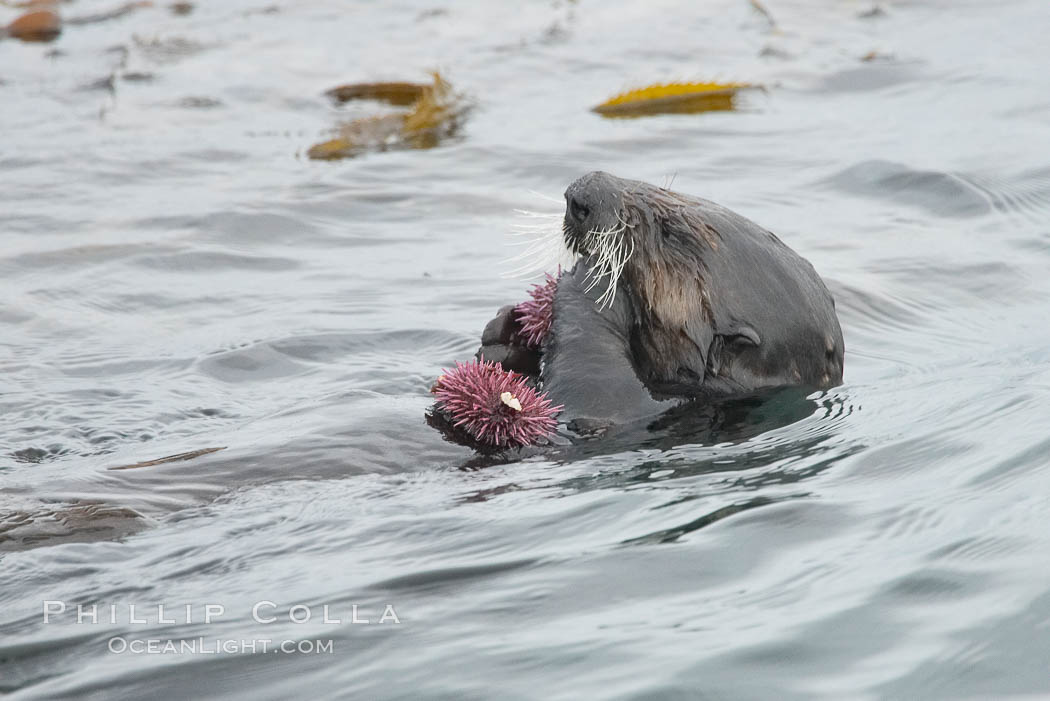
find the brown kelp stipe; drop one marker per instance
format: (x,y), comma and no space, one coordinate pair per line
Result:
(169,458)
(399,94)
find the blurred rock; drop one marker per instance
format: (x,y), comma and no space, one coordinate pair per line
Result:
(40,25)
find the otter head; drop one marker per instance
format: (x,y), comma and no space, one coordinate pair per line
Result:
(645,237)
(594,227)
(593,205)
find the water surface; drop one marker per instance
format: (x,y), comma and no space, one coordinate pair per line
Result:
(178,276)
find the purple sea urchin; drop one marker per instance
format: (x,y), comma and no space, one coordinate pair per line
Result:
(496,407)
(535,315)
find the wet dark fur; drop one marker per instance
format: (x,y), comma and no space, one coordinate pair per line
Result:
(720,305)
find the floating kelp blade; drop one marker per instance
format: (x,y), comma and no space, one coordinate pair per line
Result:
(360,135)
(399,94)
(672,98)
(170,458)
(107,15)
(435,114)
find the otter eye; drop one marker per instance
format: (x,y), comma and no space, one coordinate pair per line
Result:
(578,211)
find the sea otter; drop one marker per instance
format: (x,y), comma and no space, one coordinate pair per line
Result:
(674,299)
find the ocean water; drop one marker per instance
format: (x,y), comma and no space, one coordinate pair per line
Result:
(177,276)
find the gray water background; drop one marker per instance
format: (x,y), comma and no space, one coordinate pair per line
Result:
(176,275)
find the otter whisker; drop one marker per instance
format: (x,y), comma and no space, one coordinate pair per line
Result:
(544,226)
(540,253)
(614,263)
(540,226)
(525,272)
(538,243)
(541,243)
(609,294)
(535,244)
(542,196)
(600,250)
(606,246)
(596,276)
(629,255)
(607,232)
(596,271)
(533,234)
(533,259)
(539,215)
(623,222)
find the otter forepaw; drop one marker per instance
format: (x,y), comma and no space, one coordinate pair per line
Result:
(501,342)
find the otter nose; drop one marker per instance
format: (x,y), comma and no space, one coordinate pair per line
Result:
(578,210)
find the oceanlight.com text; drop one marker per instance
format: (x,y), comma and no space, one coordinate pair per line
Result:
(120,645)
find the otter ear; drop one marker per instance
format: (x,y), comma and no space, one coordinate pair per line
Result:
(744,335)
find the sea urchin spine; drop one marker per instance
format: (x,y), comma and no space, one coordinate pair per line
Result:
(535,315)
(496,407)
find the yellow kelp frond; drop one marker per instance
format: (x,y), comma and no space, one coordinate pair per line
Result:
(672,98)
(368,133)
(658,91)
(331,150)
(434,115)
(436,105)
